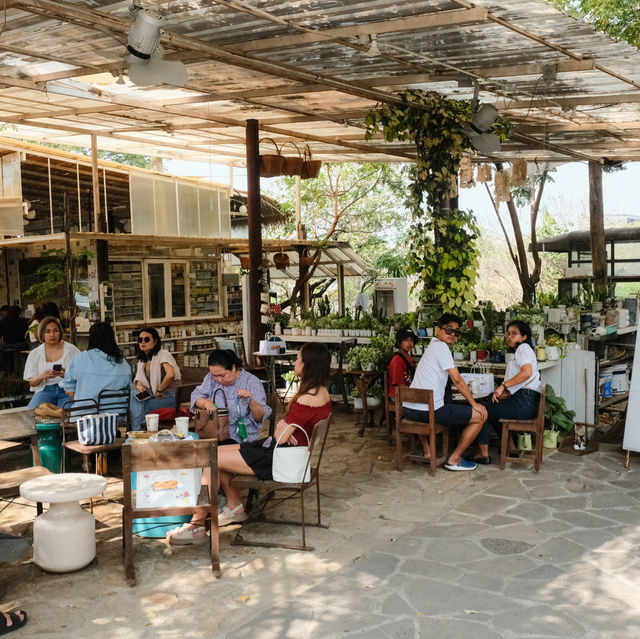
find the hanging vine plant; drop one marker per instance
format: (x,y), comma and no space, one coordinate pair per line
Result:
(443,240)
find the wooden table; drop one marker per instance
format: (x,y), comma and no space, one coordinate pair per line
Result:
(269,361)
(362,380)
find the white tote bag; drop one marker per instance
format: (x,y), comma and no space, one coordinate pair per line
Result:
(291,463)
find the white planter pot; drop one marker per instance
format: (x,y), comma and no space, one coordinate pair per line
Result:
(373,402)
(357,403)
(368,367)
(458,356)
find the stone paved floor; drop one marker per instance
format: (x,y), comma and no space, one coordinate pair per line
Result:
(491,554)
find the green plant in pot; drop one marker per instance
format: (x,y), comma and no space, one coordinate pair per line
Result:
(558,419)
(374,395)
(357,400)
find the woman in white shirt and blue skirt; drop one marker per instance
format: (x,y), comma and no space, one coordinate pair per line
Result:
(519,394)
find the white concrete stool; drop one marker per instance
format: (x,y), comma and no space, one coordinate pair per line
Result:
(64,537)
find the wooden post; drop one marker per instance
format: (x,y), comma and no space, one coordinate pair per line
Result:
(341,304)
(255,232)
(71,301)
(596,225)
(299,232)
(98,227)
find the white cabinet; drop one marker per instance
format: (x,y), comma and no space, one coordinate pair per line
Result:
(568,380)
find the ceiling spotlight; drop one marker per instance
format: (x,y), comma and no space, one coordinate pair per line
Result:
(243,209)
(485,116)
(373,49)
(145,32)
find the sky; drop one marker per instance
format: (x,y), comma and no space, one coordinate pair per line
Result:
(567,198)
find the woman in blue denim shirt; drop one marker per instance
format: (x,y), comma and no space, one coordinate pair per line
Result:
(99,368)
(243,391)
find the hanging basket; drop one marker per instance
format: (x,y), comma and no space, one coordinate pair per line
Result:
(281,260)
(310,167)
(292,165)
(306,260)
(271,165)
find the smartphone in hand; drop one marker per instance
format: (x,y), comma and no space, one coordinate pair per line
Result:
(142,395)
(57,367)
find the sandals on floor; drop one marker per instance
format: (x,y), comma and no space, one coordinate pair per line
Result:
(187,535)
(229,516)
(16,622)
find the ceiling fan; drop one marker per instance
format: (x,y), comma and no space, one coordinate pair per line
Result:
(147,64)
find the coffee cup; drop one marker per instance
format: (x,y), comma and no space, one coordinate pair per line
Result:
(182,426)
(152,421)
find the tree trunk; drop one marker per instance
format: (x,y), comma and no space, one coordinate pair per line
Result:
(596,224)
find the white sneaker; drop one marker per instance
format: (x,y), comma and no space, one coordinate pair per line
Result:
(235,516)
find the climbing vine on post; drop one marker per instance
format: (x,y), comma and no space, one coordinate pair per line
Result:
(443,240)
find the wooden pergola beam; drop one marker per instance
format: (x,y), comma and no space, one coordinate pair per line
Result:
(400,25)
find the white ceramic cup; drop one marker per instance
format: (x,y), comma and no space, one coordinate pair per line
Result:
(152,421)
(182,426)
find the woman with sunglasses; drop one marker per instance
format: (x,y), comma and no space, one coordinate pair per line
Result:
(519,394)
(156,379)
(46,365)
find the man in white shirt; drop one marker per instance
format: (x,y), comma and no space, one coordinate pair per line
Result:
(433,371)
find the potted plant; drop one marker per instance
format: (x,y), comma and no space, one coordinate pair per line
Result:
(497,348)
(459,351)
(557,418)
(482,351)
(374,396)
(357,400)
(369,358)
(291,381)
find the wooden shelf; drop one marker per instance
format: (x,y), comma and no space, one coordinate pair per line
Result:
(613,400)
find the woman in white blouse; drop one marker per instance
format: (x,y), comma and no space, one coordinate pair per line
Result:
(47,364)
(156,378)
(519,394)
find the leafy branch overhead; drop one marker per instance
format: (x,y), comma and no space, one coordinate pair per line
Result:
(442,240)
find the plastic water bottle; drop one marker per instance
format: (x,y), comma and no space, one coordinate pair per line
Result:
(241,427)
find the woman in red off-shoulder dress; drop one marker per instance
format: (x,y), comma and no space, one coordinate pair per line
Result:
(310,405)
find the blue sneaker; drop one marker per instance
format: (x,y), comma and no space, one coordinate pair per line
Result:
(463,464)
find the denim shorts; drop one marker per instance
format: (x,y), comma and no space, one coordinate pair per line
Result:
(448,414)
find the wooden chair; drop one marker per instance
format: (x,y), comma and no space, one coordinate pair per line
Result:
(268,489)
(164,456)
(338,374)
(272,402)
(109,401)
(429,428)
(389,407)
(10,481)
(534,426)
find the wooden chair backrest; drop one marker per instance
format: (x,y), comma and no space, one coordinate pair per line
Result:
(75,408)
(168,455)
(417,396)
(540,416)
(114,401)
(183,394)
(318,441)
(385,386)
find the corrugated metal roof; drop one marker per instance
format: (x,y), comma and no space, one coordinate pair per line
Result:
(302,69)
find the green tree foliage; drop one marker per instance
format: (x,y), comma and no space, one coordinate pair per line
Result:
(53,275)
(442,240)
(619,19)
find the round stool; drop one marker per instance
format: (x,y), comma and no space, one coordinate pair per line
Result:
(64,538)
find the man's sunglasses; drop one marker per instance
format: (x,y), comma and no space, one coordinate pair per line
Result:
(452,331)
(143,339)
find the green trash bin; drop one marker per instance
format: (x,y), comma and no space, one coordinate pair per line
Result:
(50,446)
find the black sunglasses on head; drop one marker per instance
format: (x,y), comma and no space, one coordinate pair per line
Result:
(143,339)
(452,331)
